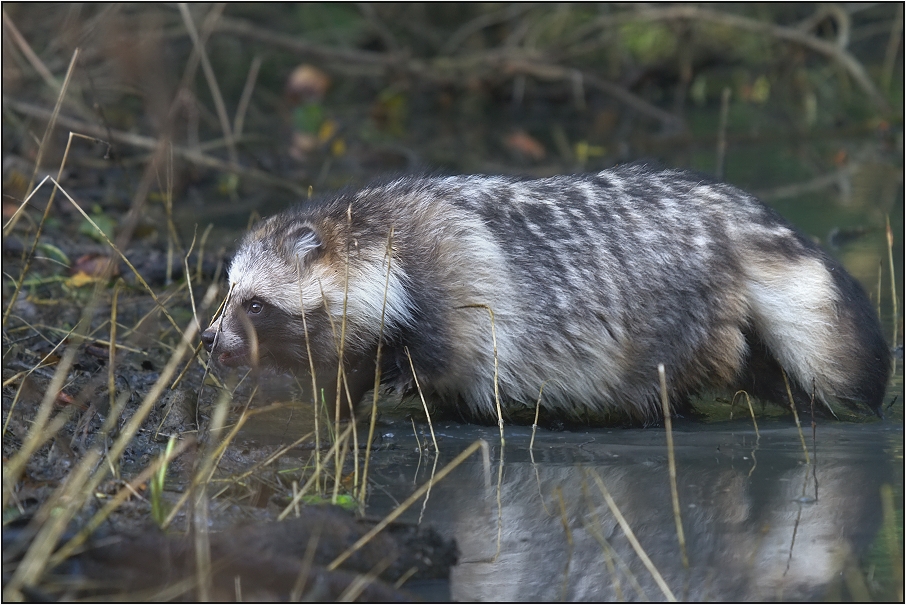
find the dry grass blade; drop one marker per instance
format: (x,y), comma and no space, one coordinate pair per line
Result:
(30,55)
(361,582)
(154,393)
(893,278)
(671,463)
(422,397)
(308,559)
(8,227)
(630,535)
(41,150)
(202,544)
(377,368)
(789,394)
(421,514)
(31,253)
(112,504)
(612,558)
(537,413)
(53,517)
(85,478)
(212,83)
(40,431)
(277,454)
(53,117)
(405,577)
(314,377)
(751,410)
(111,350)
(754,423)
(25,375)
(185,262)
(125,259)
(205,472)
(341,438)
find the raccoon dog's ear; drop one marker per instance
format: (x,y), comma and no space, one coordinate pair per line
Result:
(305,241)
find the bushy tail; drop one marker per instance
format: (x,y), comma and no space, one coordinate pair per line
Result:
(813,319)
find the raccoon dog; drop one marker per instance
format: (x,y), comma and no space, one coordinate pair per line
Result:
(593,280)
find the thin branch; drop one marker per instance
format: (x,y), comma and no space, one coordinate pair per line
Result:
(295,44)
(481,22)
(212,82)
(245,99)
(443,69)
(544,71)
(893,43)
(30,55)
(144,142)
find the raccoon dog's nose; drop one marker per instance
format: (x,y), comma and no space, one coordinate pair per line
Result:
(207,338)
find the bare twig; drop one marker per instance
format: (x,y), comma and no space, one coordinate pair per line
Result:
(822,181)
(143,142)
(893,43)
(377,25)
(30,55)
(481,22)
(722,133)
(298,45)
(239,120)
(545,71)
(511,62)
(893,282)
(212,83)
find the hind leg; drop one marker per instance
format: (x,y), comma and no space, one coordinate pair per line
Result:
(762,376)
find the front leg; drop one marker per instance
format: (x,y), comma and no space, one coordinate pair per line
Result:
(359,379)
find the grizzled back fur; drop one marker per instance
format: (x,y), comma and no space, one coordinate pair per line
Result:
(593,280)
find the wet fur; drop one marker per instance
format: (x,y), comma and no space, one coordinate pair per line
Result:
(593,281)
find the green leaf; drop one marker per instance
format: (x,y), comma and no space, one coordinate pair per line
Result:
(54,253)
(308,118)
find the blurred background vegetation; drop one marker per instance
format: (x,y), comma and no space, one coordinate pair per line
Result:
(257,99)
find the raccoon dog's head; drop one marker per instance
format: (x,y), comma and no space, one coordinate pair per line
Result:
(290,281)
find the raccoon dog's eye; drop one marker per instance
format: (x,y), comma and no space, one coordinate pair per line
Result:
(255,307)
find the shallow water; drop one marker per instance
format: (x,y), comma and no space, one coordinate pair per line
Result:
(762,519)
(760,523)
